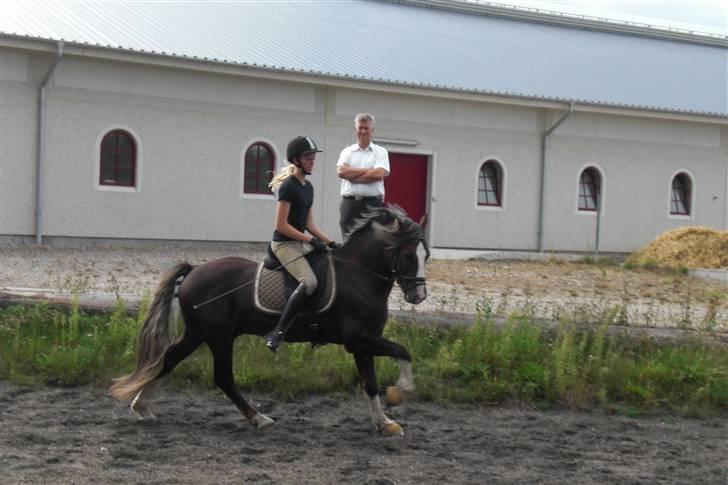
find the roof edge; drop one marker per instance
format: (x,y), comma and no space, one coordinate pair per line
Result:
(512,12)
(121,54)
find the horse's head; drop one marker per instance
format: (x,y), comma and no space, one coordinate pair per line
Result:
(409,270)
(404,239)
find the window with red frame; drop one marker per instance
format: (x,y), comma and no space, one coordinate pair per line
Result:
(259,168)
(490,181)
(589,189)
(681,192)
(118,159)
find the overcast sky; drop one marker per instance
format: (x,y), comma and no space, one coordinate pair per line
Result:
(700,15)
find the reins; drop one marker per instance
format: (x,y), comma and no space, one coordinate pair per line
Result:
(393,277)
(233,290)
(378,275)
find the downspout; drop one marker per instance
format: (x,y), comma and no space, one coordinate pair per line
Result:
(541,191)
(40,142)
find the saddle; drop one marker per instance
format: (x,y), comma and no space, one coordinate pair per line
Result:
(273,284)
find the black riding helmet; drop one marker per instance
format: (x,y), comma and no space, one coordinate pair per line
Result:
(300,146)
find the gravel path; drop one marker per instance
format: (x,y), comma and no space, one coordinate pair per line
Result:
(548,289)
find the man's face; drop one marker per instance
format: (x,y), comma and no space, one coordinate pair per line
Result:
(364,131)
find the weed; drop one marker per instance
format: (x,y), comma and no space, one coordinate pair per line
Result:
(577,364)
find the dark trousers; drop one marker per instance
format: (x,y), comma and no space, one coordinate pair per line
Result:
(351,210)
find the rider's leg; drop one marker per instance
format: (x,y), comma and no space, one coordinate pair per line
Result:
(289,254)
(294,304)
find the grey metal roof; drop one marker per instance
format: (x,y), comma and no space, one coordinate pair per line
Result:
(402,44)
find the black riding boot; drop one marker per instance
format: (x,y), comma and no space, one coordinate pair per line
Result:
(294,304)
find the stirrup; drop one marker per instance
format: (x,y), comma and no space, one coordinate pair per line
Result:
(273,340)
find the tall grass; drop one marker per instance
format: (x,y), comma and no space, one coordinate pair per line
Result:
(574,365)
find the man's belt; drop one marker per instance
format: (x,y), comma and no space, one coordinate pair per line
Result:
(362,197)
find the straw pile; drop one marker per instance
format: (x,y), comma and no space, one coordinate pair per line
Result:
(686,247)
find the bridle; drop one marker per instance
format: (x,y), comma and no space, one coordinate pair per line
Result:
(394,275)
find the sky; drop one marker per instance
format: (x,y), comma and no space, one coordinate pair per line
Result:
(710,16)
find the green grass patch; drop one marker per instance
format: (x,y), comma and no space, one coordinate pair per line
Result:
(574,365)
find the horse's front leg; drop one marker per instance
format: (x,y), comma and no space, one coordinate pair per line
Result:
(405,384)
(380,346)
(367,374)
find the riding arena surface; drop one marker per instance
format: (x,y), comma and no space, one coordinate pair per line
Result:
(80,435)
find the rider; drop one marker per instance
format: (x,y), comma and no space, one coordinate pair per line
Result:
(293,218)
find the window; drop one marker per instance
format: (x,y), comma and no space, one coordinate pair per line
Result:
(490,184)
(118,159)
(680,196)
(259,168)
(590,187)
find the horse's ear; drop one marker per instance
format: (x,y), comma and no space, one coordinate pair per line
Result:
(423,221)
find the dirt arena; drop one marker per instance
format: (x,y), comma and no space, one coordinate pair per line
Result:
(78,435)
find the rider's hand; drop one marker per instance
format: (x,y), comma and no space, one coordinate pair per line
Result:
(333,245)
(318,245)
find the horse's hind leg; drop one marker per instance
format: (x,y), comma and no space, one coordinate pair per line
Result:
(176,353)
(222,354)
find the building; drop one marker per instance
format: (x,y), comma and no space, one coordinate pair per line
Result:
(513,129)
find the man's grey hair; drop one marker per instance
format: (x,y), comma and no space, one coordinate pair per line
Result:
(364,117)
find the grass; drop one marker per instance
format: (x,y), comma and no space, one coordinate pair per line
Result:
(575,365)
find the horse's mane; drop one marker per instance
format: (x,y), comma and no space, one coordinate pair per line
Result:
(390,224)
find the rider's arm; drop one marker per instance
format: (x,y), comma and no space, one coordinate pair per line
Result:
(314,230)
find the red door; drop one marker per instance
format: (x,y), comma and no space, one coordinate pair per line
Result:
(406,185)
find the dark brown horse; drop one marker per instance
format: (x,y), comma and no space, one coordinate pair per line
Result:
(386,247)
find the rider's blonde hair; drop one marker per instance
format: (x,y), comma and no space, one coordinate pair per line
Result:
(282,175)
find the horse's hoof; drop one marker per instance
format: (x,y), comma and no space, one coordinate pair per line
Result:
(392,429)
(143,414)
(262,421)
(393,396)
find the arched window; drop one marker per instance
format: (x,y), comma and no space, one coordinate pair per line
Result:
(490,184)
(681,193)
(259,167)
(590,188)
(118,159)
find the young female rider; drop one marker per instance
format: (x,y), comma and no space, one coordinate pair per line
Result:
(293,218)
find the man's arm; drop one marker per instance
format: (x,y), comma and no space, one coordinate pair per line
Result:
(370,175)
(349,173)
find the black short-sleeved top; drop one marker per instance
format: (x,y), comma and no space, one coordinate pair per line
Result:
(300,196)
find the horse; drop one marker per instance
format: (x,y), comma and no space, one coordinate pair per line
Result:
(385,246)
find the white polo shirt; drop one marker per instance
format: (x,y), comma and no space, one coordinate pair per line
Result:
(370,157)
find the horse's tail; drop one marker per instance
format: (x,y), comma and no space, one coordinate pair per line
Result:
(154,338)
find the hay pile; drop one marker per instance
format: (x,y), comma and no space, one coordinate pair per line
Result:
(686,247)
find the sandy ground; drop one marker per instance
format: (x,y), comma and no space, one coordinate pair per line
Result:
(549,289)
(78,435)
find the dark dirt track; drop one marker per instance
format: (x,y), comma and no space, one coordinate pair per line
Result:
(79,435)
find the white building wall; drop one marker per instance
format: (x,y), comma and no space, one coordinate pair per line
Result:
(461,136)
(637,158)
(192,129)
(192,133)
(19,78)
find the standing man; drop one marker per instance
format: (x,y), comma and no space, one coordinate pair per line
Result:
(362,168)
